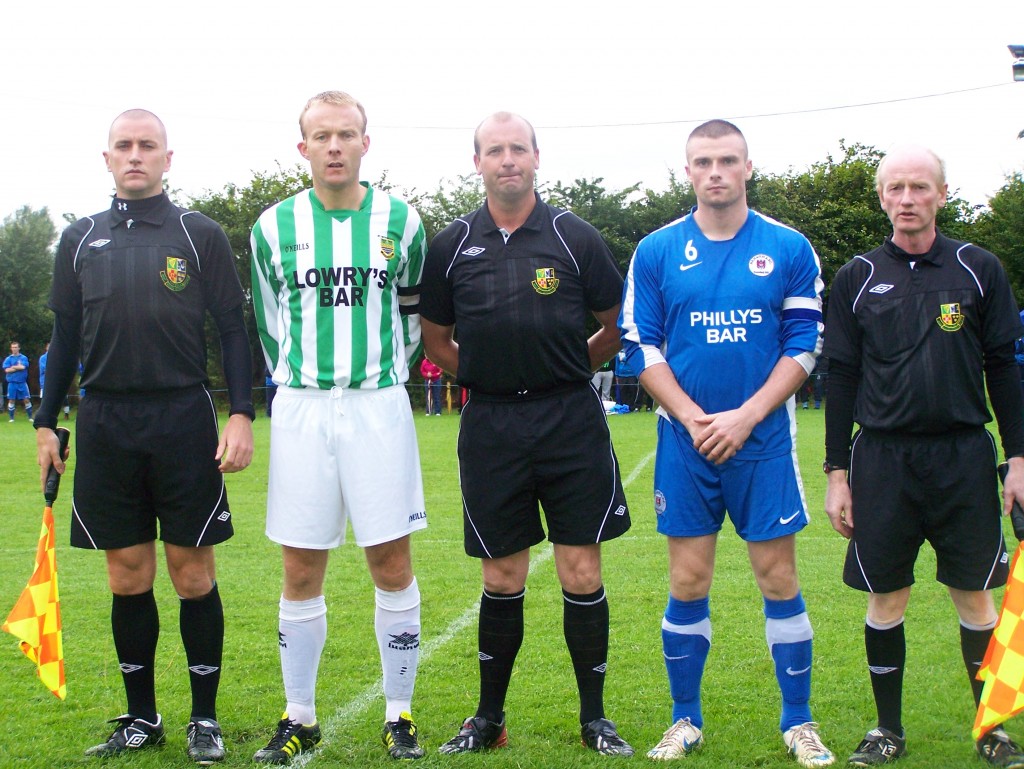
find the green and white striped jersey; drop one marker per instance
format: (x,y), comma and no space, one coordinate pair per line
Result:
(336,293)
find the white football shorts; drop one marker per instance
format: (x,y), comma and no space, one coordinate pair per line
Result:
(343,455)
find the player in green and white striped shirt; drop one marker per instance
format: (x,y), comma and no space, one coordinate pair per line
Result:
(330,289)
(335,280)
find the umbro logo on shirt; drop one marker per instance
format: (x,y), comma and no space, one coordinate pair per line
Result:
(99,243)
(881,288)
(474,251)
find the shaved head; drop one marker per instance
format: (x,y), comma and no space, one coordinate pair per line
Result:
(716,129)
(138,114)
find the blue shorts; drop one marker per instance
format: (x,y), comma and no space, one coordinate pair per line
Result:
(17,391)
(764,497)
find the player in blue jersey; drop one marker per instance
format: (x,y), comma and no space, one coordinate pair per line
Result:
(721,317)
(16,372)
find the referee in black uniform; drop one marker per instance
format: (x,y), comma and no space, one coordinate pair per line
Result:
(131,290)
(516,279)
(916,331)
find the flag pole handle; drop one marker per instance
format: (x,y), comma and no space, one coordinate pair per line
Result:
(53,477)
(1016,513)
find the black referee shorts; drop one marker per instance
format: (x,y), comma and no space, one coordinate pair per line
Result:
(143,459)
(911,488)
(552,451)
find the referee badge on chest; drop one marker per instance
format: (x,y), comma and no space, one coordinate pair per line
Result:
(950,318)
(175,277)
(546,283)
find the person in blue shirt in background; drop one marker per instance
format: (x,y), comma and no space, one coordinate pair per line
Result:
(16,371)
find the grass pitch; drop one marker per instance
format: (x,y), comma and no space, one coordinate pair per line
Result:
(740,696)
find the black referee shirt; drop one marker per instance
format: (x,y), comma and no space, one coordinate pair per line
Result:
(519,307)
(138,280)
(919,336)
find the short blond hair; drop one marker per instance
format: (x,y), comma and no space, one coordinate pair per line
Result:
(940,164)
(338,98)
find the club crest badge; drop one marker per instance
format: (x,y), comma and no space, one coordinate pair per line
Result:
(387,248)
(175,277)
(660,503)
(761,265)
(950,318)
(546,283)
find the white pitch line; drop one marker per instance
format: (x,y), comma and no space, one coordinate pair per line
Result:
(376,690)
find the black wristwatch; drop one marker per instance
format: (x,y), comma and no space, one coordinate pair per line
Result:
(828,468)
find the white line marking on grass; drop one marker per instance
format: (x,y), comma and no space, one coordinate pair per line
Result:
(640,467)
(375,691)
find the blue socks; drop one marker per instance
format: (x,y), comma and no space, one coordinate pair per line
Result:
(686,640)
(788,632)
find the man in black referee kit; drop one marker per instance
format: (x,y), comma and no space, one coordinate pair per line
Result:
(131,290)
(516,279)
(916,331)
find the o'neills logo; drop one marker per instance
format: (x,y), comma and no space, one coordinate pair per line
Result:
(175,277)
(546,282)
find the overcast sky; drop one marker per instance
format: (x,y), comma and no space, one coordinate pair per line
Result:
(612,88)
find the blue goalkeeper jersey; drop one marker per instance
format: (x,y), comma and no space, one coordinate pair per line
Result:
(723,313)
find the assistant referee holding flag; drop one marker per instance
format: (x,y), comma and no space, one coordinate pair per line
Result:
(917,330)
(132,287)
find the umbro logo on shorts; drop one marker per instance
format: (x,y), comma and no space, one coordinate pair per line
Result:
(224,516)
(621,510)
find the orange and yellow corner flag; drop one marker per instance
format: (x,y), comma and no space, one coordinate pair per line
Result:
(35,618)
(1002,670)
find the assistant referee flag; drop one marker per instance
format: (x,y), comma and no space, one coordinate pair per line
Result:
(1002,670)
(35,618)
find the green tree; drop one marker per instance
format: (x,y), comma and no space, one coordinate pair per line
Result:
(608,211)
(451,199)
(1000,229)
(654,209)
(26,268)
(833,203)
